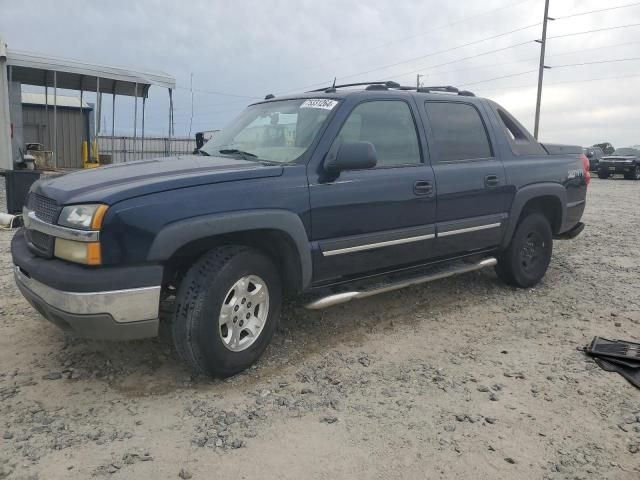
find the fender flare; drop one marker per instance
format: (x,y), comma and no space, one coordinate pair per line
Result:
(530,192)
(178,234)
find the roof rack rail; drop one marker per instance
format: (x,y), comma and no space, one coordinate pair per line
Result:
(444,89)
(331,89)
(386,85)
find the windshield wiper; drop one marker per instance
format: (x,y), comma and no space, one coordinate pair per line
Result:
(235,151)
(202,152)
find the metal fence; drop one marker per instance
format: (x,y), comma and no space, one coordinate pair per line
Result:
(126,149)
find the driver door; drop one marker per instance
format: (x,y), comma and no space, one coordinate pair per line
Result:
(378,218)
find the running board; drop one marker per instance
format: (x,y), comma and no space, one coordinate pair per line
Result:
(344,297)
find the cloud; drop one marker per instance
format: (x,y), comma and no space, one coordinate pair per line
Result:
(255,47)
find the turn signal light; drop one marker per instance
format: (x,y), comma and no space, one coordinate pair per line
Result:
(87,253)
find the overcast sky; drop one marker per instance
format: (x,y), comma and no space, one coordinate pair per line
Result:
(249,48)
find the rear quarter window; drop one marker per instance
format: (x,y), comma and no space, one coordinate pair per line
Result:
(521,142)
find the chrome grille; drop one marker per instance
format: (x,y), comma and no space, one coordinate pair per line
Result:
(45,209)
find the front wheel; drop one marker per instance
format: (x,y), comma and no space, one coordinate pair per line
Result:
(226,311)
(526,259)
(603,174)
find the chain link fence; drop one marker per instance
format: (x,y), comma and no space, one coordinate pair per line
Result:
(127,149)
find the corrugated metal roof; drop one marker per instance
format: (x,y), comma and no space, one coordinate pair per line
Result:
(37,69)
(61,100)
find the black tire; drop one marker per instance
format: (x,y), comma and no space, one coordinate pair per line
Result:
(526,259)
(635,175)
(603,174)
(196,329)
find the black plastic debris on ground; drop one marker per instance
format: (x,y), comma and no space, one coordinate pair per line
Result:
(617,356)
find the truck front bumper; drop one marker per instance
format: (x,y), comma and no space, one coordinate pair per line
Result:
(79,299)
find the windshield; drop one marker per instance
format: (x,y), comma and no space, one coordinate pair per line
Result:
(625,151)
(275,131)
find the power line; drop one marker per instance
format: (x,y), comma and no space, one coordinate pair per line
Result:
(561,83)
(440,27)
(213,92)
(595,48)
(428,67)
(359,52)
(556,66)
(383,67)
(596,62)
(498,78)
(597,11)
(493,37)
(593,31)
(215,112)
(221,104)
(530,59)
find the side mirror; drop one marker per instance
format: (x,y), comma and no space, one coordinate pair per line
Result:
(352,156)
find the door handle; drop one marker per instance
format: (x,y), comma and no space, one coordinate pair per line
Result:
(423,187)
(491,181)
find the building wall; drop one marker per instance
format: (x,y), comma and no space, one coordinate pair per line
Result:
(71,128)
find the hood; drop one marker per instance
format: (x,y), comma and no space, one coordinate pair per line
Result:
(113,183)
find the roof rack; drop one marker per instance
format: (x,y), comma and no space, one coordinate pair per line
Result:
(332,89)
(396,86)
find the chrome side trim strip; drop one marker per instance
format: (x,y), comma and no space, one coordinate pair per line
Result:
(345,297)
(128,305)
(32,222)
(469,229)
(575,204)
(371,246)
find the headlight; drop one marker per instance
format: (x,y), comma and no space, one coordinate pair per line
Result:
(84,217)
(88,253)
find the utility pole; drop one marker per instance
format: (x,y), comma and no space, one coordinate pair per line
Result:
(543,44)
(191,119)
(418,76)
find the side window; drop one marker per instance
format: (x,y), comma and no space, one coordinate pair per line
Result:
(513,129)
(458,131)
(389,126)
(520,140)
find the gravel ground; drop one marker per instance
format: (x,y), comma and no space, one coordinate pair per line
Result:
(463,378)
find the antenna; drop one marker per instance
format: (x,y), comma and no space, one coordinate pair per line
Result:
(332,88)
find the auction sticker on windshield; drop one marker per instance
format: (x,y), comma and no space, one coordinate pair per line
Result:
(323,103)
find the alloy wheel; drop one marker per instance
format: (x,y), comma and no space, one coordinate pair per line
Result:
(243,313)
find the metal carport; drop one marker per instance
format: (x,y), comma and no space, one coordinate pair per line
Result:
(48,72)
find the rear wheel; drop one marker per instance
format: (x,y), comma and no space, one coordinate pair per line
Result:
(226,310)
(603,174)
(526,259)
(635,175)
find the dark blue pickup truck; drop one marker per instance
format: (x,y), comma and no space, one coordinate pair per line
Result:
(340,194)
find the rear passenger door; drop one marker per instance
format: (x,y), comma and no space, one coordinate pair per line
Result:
(373,219)
(473,196)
